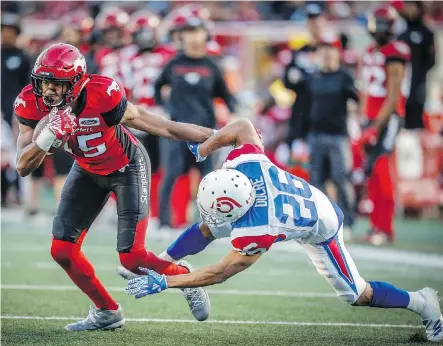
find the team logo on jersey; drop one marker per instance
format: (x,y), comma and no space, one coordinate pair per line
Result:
(19,101)
(226,204)
(112,86)
(192,78)
(89,122)
(250,250)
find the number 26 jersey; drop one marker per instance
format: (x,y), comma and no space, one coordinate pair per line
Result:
(286,207)
(99,143)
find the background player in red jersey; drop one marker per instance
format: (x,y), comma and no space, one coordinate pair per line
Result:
(145,67)
(385,88)
(108,158)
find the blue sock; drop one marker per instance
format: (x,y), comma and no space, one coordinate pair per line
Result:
(388,296)
(190,242)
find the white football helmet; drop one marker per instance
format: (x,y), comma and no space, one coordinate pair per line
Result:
(224,195)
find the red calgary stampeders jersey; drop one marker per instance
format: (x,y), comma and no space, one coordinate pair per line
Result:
(115,64)
(374,76)
(99,144)
(145,68)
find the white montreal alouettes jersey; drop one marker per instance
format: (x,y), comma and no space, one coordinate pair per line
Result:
(286,207)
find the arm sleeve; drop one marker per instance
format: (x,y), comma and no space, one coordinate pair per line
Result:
(221,90)
(163,79)
(249,245)
(26,121)
(25,110)
(115,115)
(114,103)
(399,52)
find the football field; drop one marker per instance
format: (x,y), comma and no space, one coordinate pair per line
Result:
(281,300)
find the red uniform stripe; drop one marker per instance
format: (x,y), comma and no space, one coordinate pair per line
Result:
(334,248)
(244,149)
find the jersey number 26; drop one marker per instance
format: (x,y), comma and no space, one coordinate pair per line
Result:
(304,212)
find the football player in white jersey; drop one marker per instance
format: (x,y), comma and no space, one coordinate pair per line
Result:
(257,204)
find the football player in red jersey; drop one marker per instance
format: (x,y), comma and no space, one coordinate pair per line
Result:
(145,68)
(178,19)
(114,55)
(384,92)
(108,158)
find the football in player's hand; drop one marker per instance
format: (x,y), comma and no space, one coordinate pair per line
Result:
(58,143)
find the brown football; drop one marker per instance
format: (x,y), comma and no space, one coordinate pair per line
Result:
(58,144)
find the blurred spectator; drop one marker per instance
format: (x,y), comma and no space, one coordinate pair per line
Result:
(330,88)
(246,11)
(195,80)
(15,65)
(420,39)
(302,64)
(8,153)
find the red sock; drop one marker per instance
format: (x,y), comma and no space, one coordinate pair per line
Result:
(70,257)
(382,196)
(146,259)
(386,195)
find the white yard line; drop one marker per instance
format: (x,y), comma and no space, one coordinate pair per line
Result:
(358,252)
(211,291)
(283,323)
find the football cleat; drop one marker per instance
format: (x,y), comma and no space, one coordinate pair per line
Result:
(99,319)
(197,298)
(431,315)
(126,274)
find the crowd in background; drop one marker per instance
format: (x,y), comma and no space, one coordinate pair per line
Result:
(113,45)
(221,10)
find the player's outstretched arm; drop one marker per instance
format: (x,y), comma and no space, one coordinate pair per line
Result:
(29,154)
(153,282)
(140,119)
(230,265)
(237,133)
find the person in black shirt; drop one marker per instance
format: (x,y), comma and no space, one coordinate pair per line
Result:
(303,64)
(15,75)
(421,42)
(15,65)
(194,80)
(330,88)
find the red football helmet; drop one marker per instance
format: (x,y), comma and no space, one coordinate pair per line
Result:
(61,63)
(143,27)
(381,23)
(112,18)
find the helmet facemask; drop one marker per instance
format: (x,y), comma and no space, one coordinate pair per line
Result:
(66,96)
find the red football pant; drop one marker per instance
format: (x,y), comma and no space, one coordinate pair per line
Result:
(70,257)
(381,193)
(138,256)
